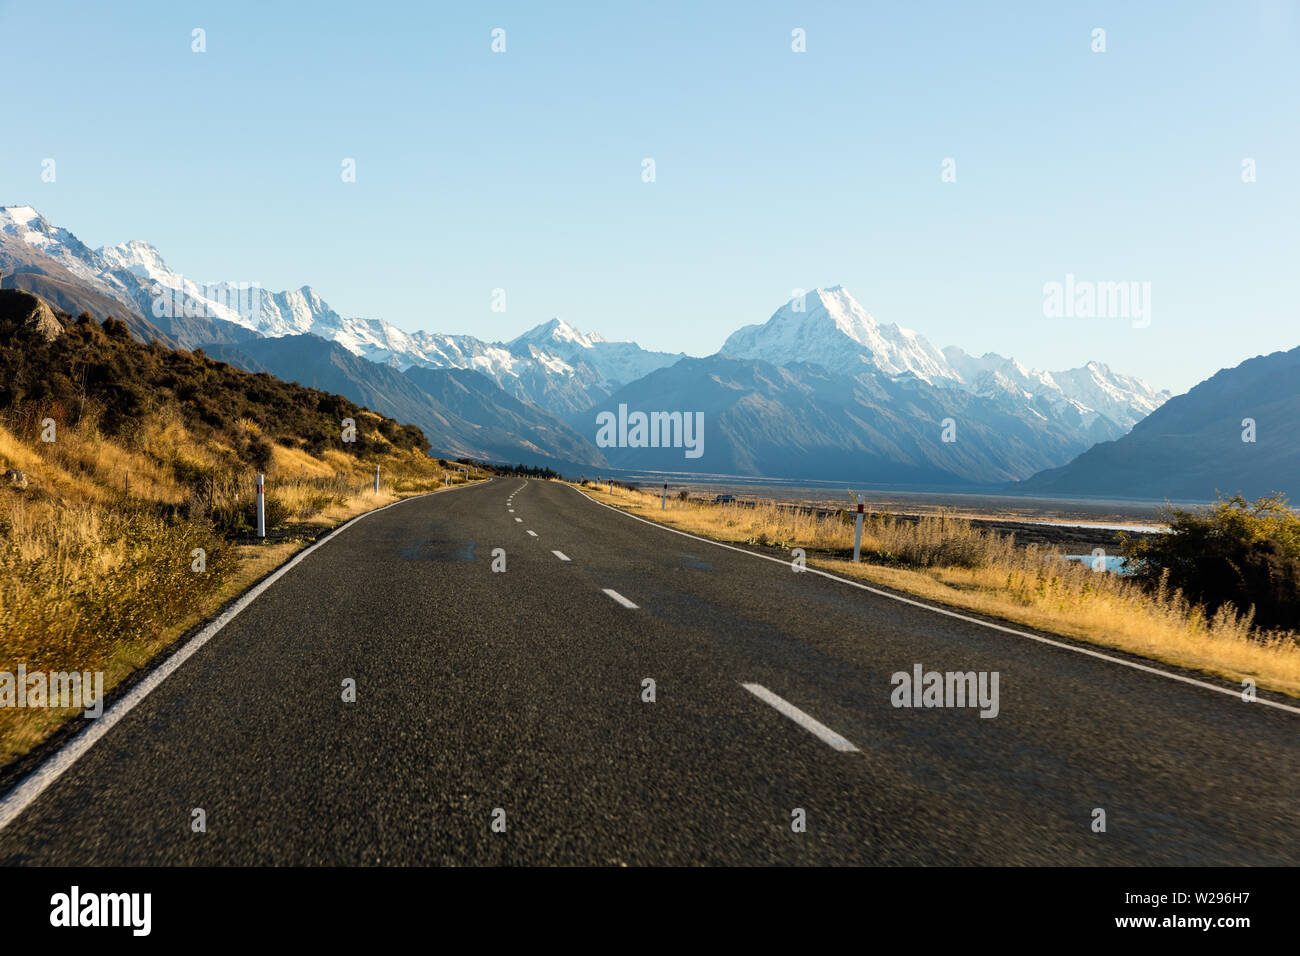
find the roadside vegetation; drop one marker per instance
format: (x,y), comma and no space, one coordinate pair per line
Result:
(1185,605)
(137,520)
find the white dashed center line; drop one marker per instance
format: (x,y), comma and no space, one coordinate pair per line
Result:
(561,555)
(619,598)
(799,717)
(520,520)
(533,533)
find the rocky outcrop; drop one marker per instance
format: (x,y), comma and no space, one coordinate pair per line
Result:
(29,311)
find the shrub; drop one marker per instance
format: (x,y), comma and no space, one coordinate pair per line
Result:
(259,453)
(1235,552)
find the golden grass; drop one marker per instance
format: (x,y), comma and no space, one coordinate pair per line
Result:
(946,560)
(96,554)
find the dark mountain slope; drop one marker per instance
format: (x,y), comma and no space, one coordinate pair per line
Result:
(1191,447)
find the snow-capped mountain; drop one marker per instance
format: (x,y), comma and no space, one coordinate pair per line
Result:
(617,363)
(1093,389)
(553,366)
(27,225)
(827,327)
(819,355)
(1124,399)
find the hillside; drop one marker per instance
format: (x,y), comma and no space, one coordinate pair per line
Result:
(100,373)
(127,499)
(1191,447)
(462,413)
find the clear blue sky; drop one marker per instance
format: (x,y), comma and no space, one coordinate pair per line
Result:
(775,170)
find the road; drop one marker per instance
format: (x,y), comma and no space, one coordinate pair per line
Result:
(522,691)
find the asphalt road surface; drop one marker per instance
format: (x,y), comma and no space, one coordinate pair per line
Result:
(517,696)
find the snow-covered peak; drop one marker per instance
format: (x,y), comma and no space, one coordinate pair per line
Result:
(303,310)
(849,317)
(1123,399)
(17,215)
(25,223)
(137,256)
(555,331)
(828,327)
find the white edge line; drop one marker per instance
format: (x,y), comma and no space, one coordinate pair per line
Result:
(955,614)
(58,763)
(810,724)
(619,598)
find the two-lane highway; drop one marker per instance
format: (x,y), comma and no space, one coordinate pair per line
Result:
(519,695)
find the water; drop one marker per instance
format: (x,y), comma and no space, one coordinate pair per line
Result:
(1149,528)
(1113,561)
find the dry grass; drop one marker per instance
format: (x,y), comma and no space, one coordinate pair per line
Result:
(96,555)
(946,560)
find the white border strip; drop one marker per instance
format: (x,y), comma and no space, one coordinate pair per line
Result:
(58,763)
(961,617)
(611,593)
(810,724)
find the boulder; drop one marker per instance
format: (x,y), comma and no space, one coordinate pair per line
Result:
(29,311)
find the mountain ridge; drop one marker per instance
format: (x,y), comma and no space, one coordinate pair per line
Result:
(1192,447)
(566,374)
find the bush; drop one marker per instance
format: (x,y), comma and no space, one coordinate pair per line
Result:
(1235,552)
(259,453)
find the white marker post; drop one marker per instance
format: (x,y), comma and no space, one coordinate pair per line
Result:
(261,507)
(663,502)
(857,533)
(611,486)
(376,479)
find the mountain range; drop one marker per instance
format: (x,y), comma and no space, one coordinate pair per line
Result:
(821,389)
(1233,433)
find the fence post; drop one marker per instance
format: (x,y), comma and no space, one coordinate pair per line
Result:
(261,508)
